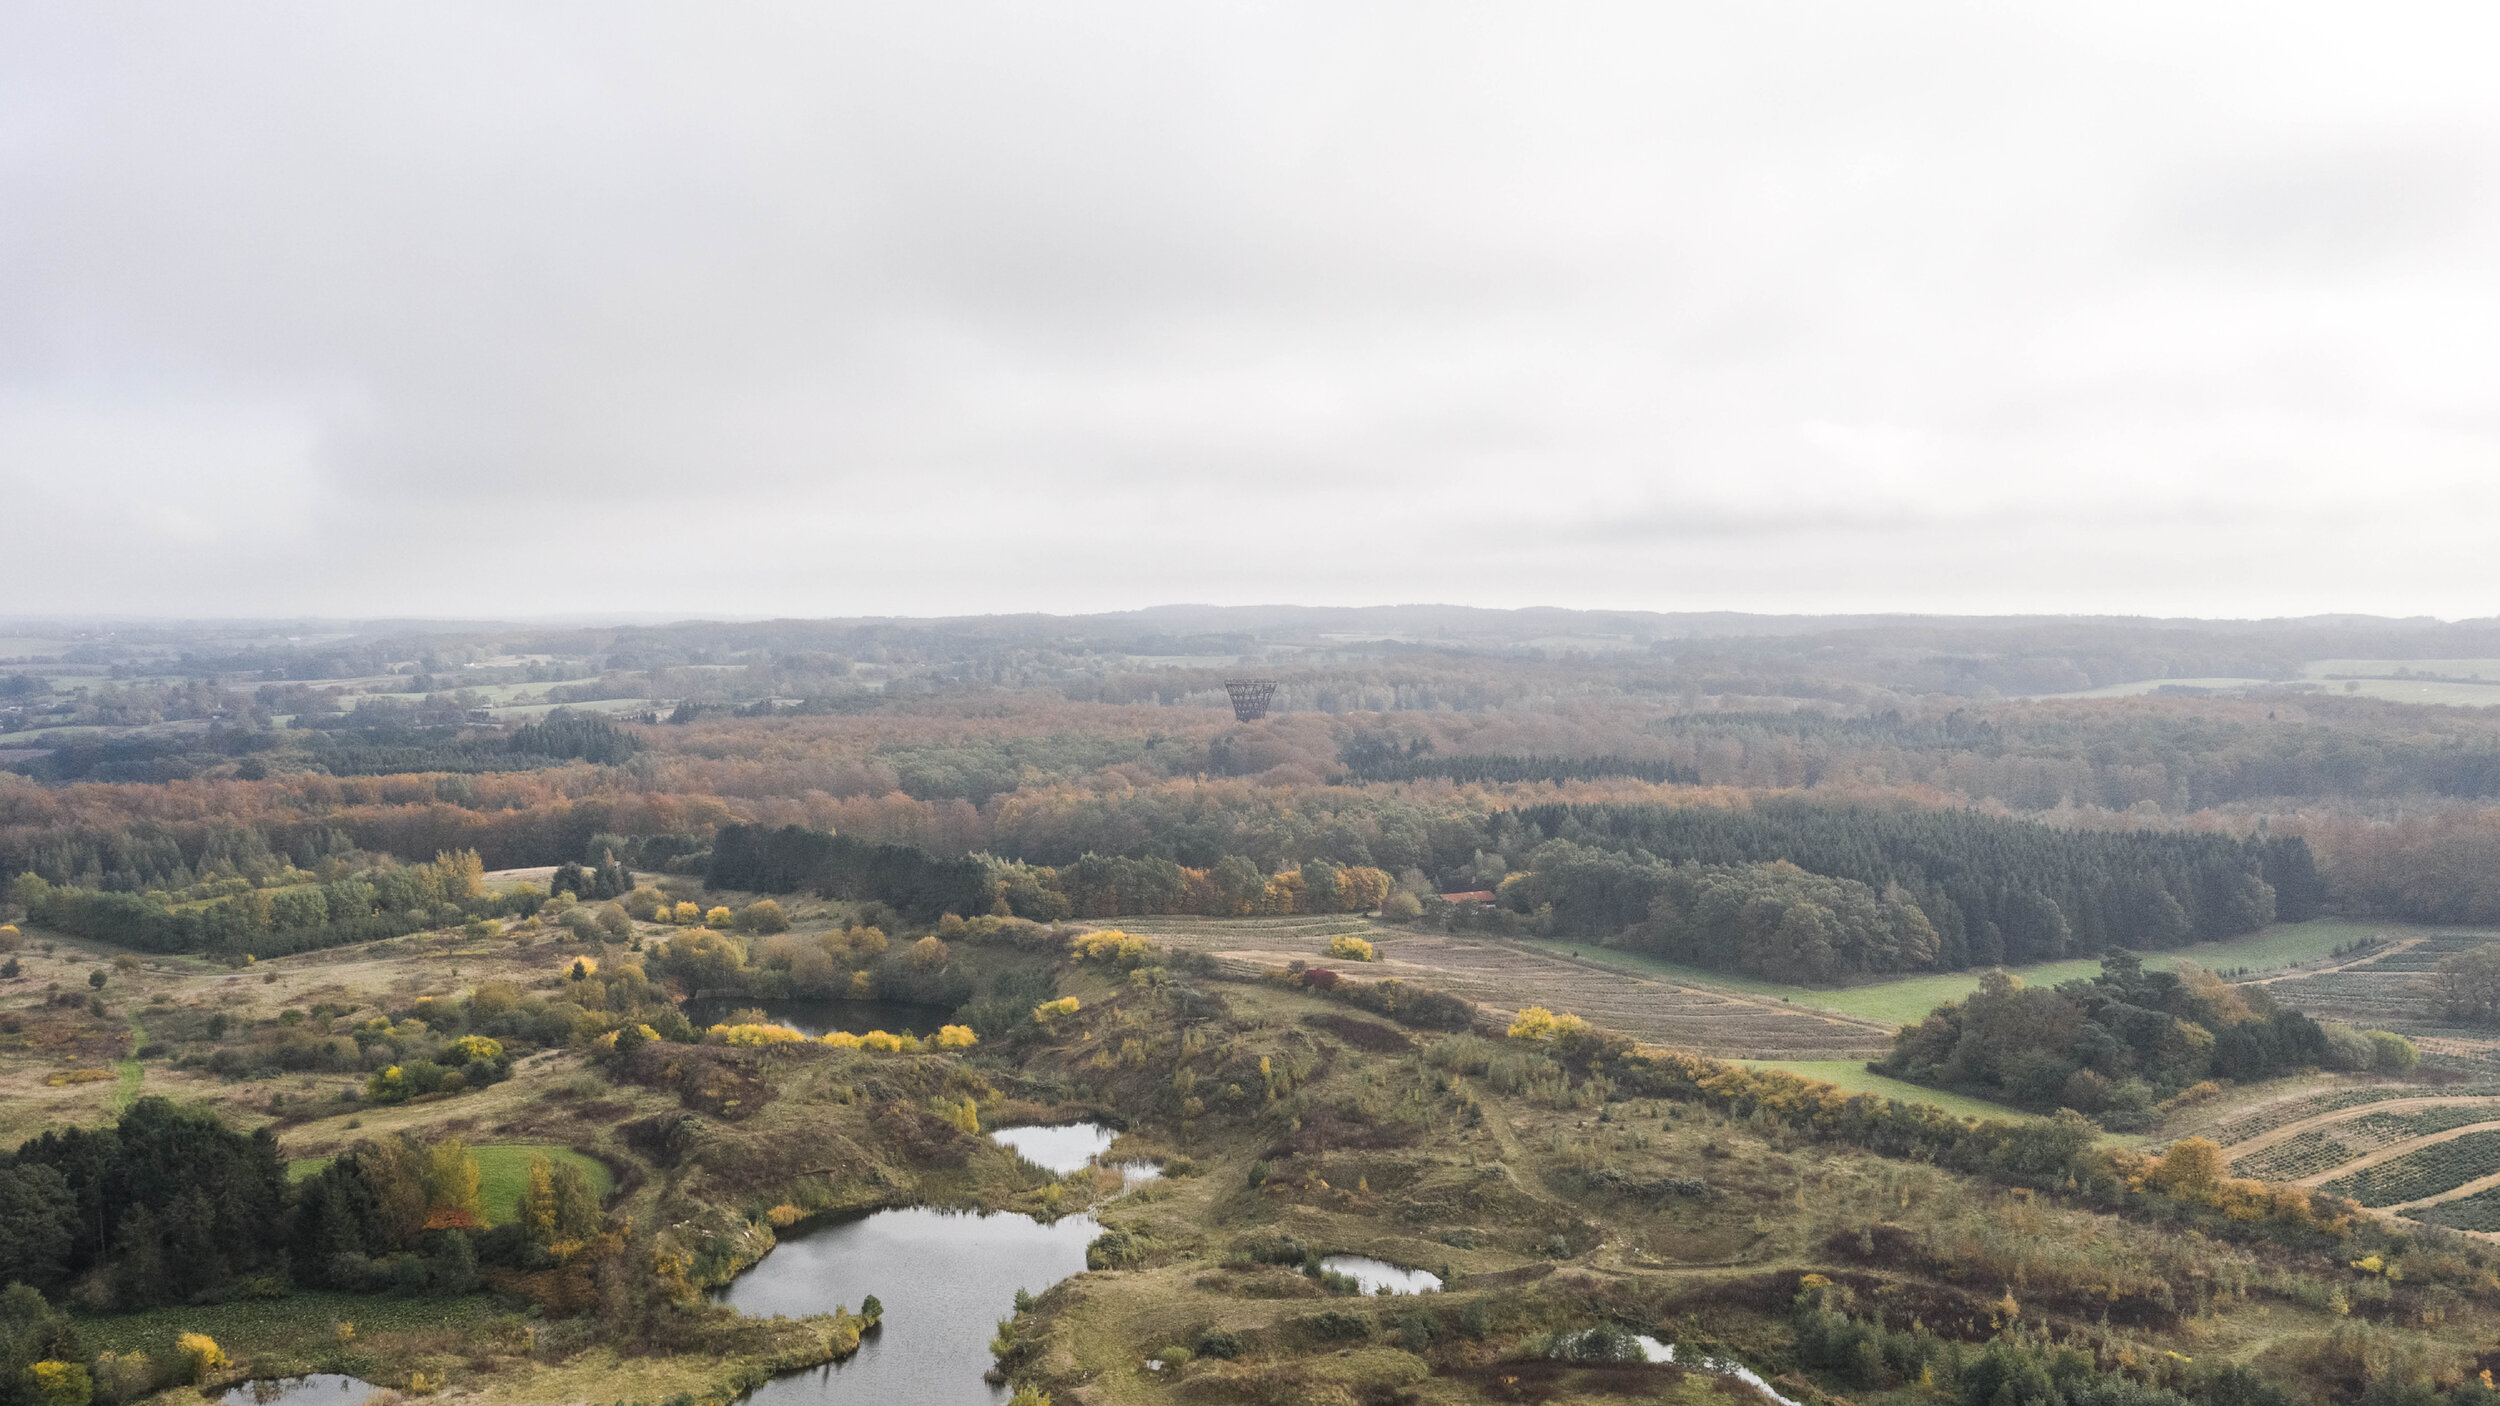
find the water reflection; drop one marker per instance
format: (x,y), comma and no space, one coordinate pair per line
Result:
(1375,1275)
(318,1389)
(945,1278)
(1072,1147)
(1657,1351)
(1069,1147)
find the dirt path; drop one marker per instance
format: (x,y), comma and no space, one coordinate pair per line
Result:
(2269,1138)
(2393,1151)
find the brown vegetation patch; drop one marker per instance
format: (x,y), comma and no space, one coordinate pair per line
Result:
(922,1137)
(1327,1131)
(727,1084)
(769,1159)
(1902,1248)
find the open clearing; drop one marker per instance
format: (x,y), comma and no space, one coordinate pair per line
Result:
(1909,999)
(1687,1007)
(2463,683)
(1504,976)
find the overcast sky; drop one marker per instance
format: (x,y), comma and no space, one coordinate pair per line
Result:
(532,309)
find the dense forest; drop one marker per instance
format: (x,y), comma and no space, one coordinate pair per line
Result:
(1432,745)
(344,898)
(1984,890)
(2117,1044)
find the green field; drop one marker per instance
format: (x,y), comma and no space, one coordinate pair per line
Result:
(503,1174)
(1910,998)
(1854,1077)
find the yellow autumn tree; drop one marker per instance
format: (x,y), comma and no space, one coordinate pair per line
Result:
(62,1383)
(202,1358)
(452,1185)
(461,874)
(1538,1023)
(1363,888)
(538,1201)
(754,1035)
(2191,1167)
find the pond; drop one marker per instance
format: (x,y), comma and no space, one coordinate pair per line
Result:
(1069,1147)
(1657,1351)
(1375,1275)
(319,1389)
(1072,1147)
(813,1018)
(945,1278)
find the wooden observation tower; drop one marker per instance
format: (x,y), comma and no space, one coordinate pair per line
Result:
(1250,697)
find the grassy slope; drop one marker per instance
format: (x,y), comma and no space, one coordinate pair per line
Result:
(1911,998)
(503,1173)
(1854,1077)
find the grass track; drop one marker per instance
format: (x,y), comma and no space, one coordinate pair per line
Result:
(503,1174)
(132,1073)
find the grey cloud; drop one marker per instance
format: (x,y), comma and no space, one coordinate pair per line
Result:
(2277,211)
(523,309)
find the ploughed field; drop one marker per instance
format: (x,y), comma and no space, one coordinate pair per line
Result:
(1501,977)
(2420,1151)
(2395,990)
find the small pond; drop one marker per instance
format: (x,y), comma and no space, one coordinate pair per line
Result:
(1657,1351)
(1072,1147)
(1376,1275)
(814,1018)
(945,1278)
(319,1389)
(1069,1147)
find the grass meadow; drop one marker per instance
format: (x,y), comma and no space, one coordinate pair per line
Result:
(1854,1077)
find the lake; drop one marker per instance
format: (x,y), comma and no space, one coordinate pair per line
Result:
(945,1278)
